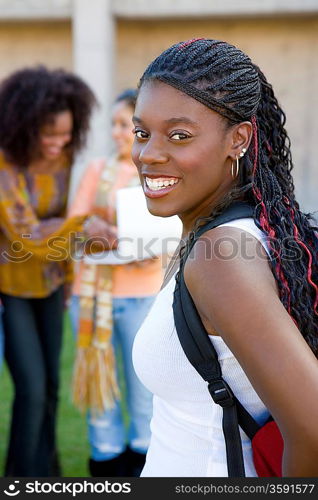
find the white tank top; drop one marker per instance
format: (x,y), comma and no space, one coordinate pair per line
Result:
(186,427)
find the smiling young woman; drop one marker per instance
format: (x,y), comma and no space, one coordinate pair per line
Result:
(187,144)
(209,131)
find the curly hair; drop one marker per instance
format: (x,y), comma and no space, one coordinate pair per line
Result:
(223,78)
(28,100)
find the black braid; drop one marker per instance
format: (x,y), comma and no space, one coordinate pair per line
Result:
(224,79)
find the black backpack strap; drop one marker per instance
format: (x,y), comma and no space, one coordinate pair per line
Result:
(196,344)
(237,210)
(246,421)
(203,356)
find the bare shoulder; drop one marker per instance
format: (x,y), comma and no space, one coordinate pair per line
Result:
(228,270)
(234,291)
(226,260)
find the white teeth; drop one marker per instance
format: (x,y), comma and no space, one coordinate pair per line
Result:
(156,184)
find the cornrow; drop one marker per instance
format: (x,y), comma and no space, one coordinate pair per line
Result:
(224,79)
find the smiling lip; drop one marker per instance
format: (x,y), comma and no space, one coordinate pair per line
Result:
(162,192)
(53,151)
(158,176)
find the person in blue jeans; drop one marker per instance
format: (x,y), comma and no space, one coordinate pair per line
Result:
(114,449)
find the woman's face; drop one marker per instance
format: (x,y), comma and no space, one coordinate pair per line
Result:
(122,128)
(181,150)
(55,135)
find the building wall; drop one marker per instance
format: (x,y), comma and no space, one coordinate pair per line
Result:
(28,43)
(286,49)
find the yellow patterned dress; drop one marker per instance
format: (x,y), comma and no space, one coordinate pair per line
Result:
(35,238)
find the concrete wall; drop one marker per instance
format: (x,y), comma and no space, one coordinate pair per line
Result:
(35,9)
(137,9)
(286,49)
(28,43)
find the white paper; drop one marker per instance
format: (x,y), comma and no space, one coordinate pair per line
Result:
(141,234)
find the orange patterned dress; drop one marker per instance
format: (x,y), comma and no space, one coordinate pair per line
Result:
(35,237)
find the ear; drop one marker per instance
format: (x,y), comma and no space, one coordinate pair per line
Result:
(241,136)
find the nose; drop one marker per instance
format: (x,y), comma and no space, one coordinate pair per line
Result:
(62,140)
(115,131)
(152,152)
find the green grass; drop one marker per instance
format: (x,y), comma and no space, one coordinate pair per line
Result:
(72,430)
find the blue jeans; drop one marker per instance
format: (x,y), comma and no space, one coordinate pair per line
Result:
(107,434)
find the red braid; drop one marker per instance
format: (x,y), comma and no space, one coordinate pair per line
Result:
(188,42)
(264,220)
(309,271)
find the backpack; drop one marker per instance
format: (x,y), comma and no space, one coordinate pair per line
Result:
(267,442)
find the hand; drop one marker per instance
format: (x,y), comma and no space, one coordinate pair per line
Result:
(104,233)
(143,263)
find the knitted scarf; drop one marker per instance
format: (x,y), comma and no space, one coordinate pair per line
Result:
(95,385)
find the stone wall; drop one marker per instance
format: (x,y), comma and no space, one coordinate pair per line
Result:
(285,48)
(28,43)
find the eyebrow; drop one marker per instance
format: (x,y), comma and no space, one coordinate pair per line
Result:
(136,119)
(171,121)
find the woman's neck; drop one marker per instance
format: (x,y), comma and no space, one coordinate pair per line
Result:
(205,209)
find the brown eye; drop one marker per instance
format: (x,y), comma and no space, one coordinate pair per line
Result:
(140,134)
(179,136)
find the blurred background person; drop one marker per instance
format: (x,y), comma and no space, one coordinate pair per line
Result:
(108,306)
(44,122)
(1,338)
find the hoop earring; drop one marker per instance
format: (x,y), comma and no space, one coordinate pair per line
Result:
(237,168)
(242,153)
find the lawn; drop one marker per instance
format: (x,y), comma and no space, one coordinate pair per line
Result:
(72,432)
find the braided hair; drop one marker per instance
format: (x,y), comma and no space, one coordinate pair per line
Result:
(224,79)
